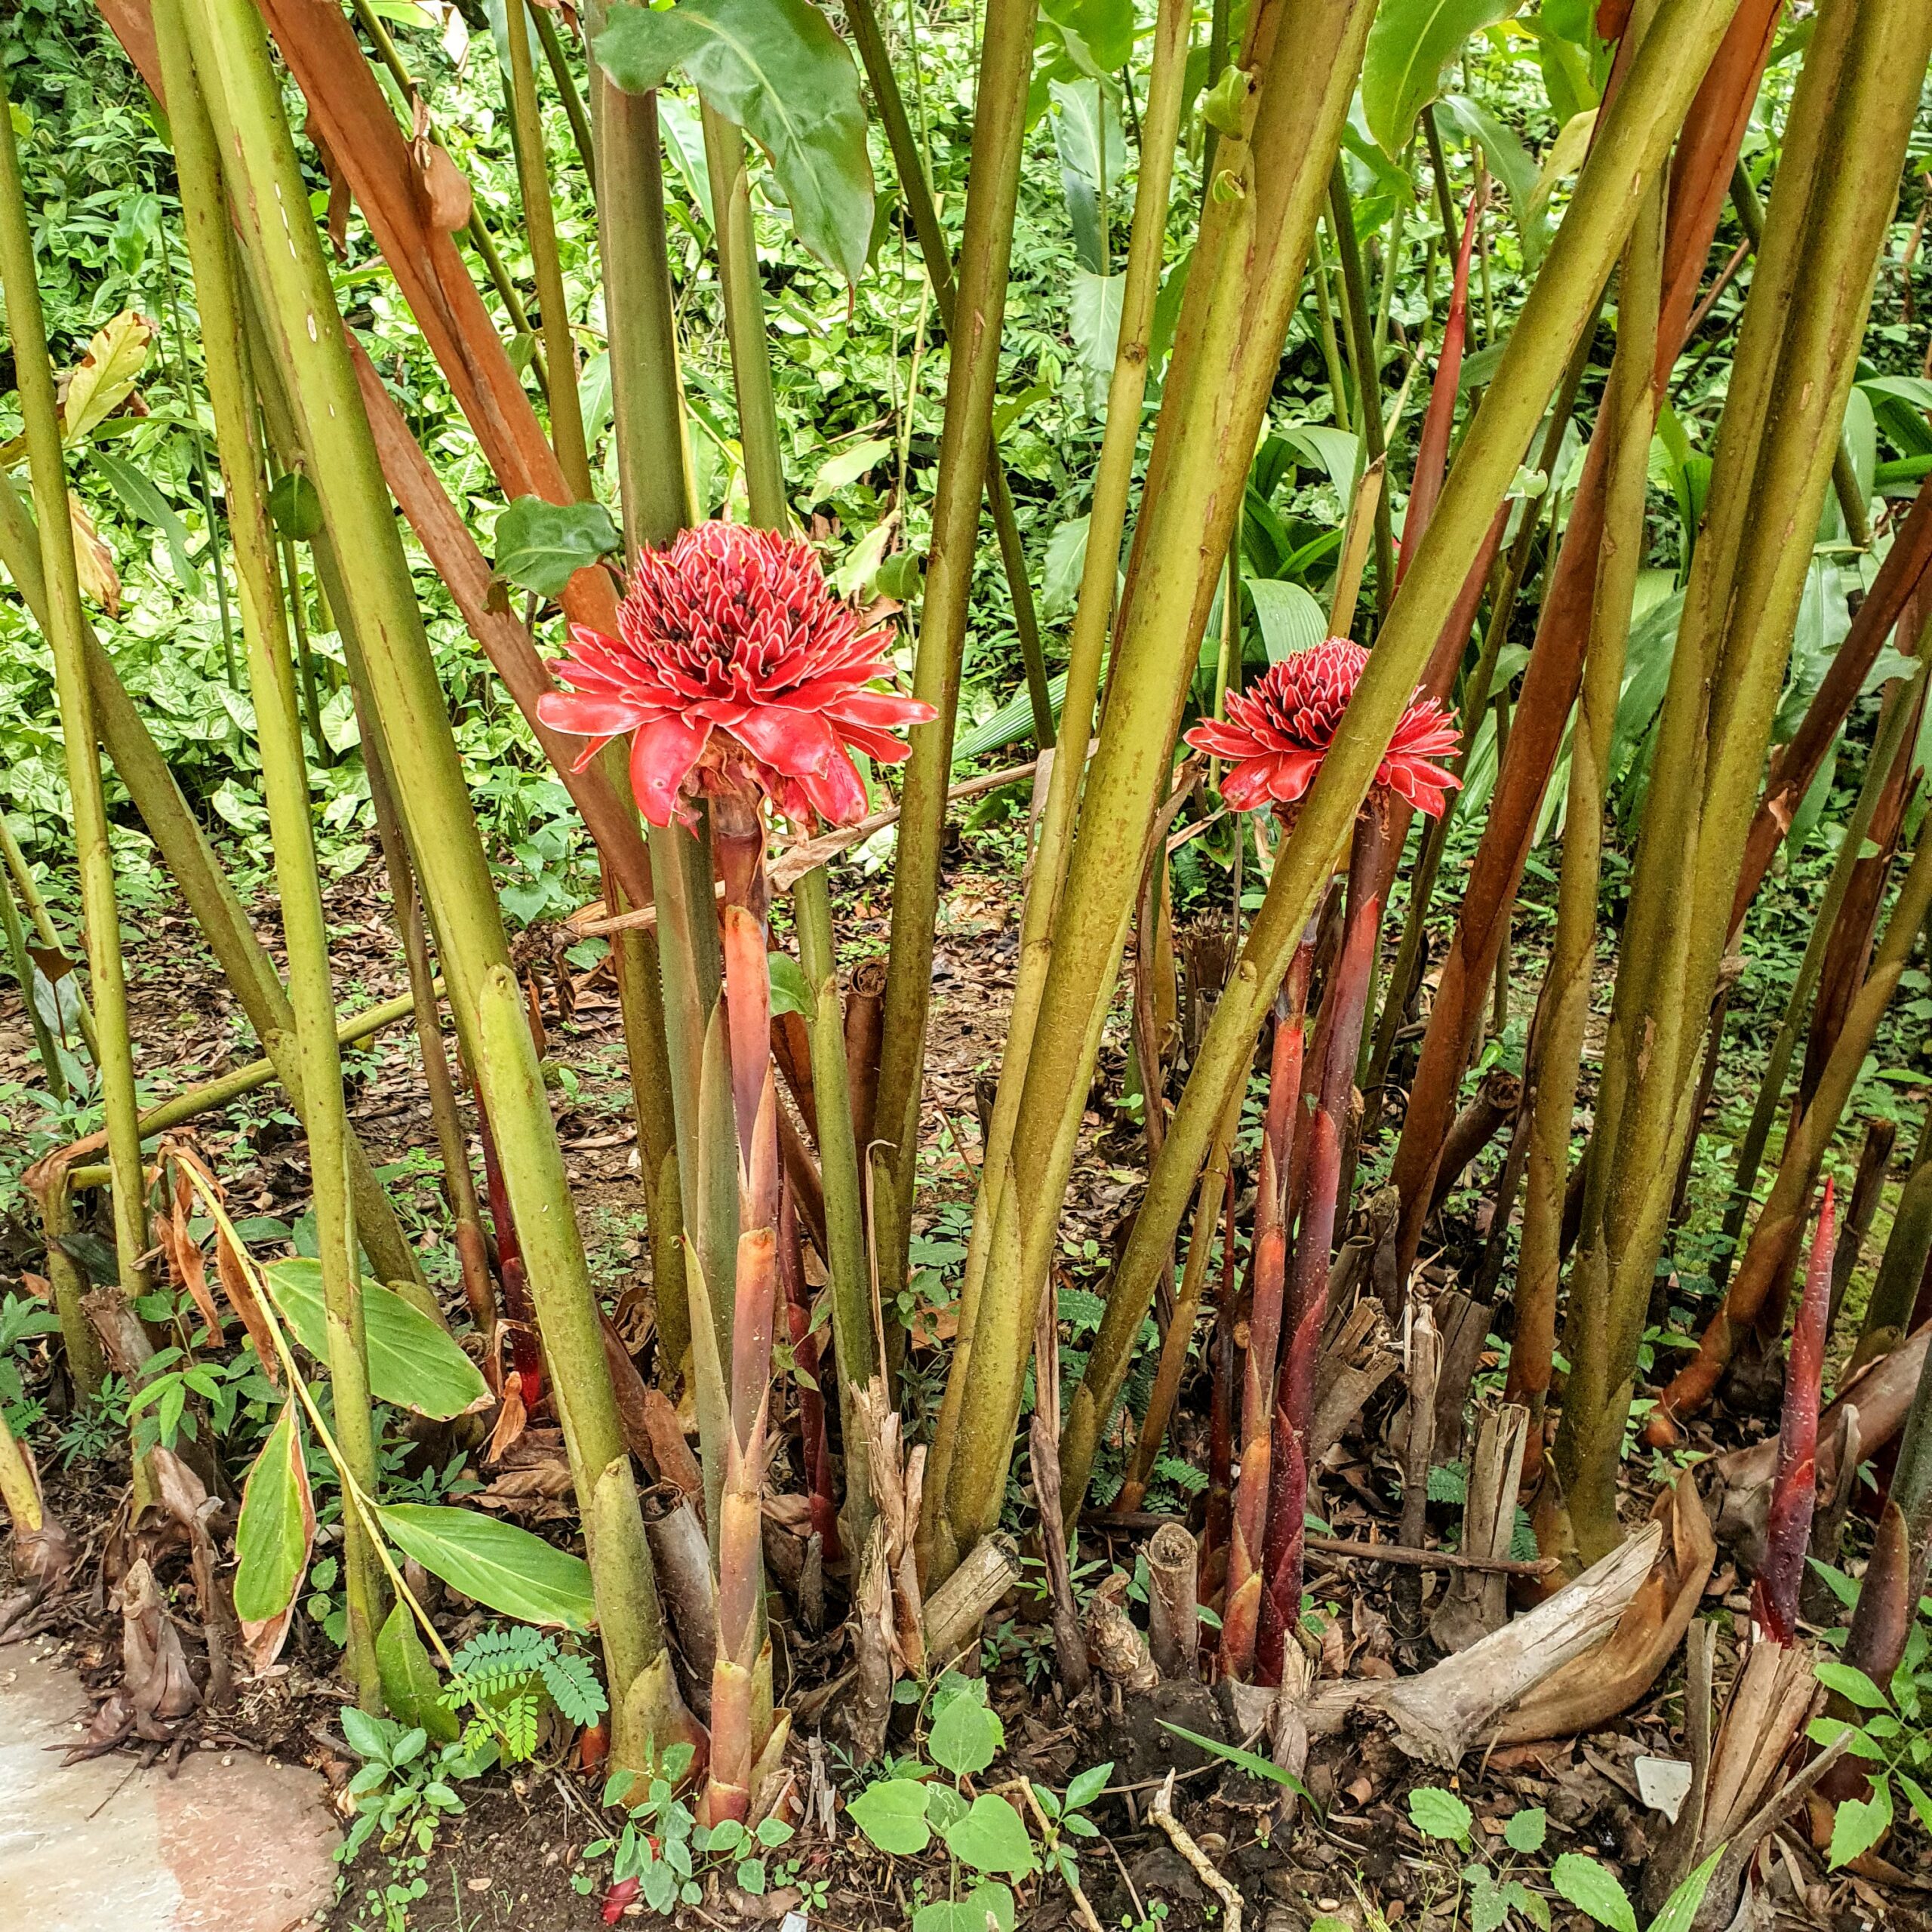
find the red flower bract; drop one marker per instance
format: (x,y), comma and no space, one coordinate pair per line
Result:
(1278,730)
(734,665)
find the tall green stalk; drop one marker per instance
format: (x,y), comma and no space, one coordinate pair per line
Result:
(231,55)
(1359,330)
(67,638)
(1797,352)
(285,784)
(1563,1010)
(540,218)
(910,167)
(1106,519)
(1632,137)
(1269,185)
(197,873)
(999,132)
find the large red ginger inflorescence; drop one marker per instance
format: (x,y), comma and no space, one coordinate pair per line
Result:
(735,667)
(1278,730)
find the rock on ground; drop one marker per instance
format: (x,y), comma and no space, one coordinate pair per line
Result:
(233,1843)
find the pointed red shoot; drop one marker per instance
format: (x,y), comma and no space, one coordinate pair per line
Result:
(1794,1490)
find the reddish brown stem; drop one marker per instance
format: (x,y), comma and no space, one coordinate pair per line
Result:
(812,1427)
(526,1349)
(1269,1272)
(1794,1490)
(1345,1001)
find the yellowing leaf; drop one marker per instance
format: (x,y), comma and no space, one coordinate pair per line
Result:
(107,373)
(100,582)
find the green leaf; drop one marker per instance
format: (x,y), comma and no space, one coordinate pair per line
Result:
(1410,44)
(1440,1814)
(1525,1831)
(892,1814)
(1512,165)
(965,1738)
(1094,312)
(411,1687)
(1852,1684)
(295,506)
(146,504)
(540,545)
(504,1568)
(412,1363)
(1290,617)
(777,68)
(790,991)
(1255,1767)
(1589,1885)
(969,1914)
(277,1528)
(1489,1903)
(1088,1785)
(1860,1823)
(992,1837)
(1680,1910)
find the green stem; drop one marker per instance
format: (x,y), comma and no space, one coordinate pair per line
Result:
(272,681)
(20,549)
(1632,136)
(540,218)
(559,65)
(66,637)
(1093,613)
(844,1200)
(999,126)
(306,328)
(911,168)
(85,1362)
(1366,363)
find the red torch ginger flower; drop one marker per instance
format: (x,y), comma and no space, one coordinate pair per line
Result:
(1279,729)
(734,666)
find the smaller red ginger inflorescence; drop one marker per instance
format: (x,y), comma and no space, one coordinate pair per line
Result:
(1278,730)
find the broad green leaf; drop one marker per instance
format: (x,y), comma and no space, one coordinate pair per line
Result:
(1860,1823)
(1588,1884)
(1525,1830)
(1511,163)
(1012,721)
(1680,1910)
(777,68)
(1852,1684)
(1336,451)
(845,466)
(1087,138)
(1093,311)
(411,1687)
(540,545)
(277,1527)
(992,1837)
(969,1914)
(1290,618)
(1489,1903)
(1106,26)
(1411,42)
(1439,1814)
(412,1362)
(105,376)
(965,1738)
(1066,558)
(1088,1784)
(503,1567)
(892,1814)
